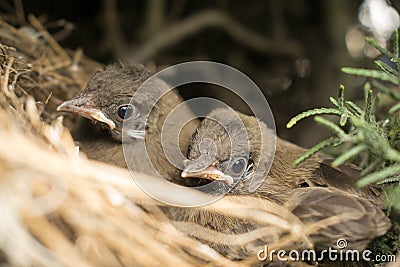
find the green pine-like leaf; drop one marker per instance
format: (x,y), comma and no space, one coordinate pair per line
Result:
(355,109)
(393,179)
(381,49)
(386,68)
(343,119)
(334,101)
(377,74)
(331,141)
(379,175)
(330,125)
(372,166)
(341,98)
(395,39)
(312,112)
(349,154)
(368,102)
(394,108)
(386,90)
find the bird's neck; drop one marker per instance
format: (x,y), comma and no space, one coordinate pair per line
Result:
(159,139)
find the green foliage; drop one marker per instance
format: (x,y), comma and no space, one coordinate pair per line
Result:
(381,49)
(373,139)
(312,112)
(331,141)
(378,74)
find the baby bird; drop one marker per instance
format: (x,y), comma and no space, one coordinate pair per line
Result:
(313,190)
(107,100)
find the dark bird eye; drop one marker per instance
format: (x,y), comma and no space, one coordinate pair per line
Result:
(125,111)
(238,166)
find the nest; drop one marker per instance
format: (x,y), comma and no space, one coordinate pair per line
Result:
(61,209)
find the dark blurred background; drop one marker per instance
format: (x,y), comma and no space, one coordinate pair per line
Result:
(292,49)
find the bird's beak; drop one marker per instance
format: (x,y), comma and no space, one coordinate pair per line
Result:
(77,105)
(209,173)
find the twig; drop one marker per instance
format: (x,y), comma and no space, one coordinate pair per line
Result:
(19,12)
(52,42)
(55,240)
(76,59)
(13,35)
(113,34)
(17,75)
(74,68)
(4,80)
(155,16)
(67,28)
(207,19)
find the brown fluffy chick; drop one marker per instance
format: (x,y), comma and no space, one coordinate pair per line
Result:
(106,100)
(313,190)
